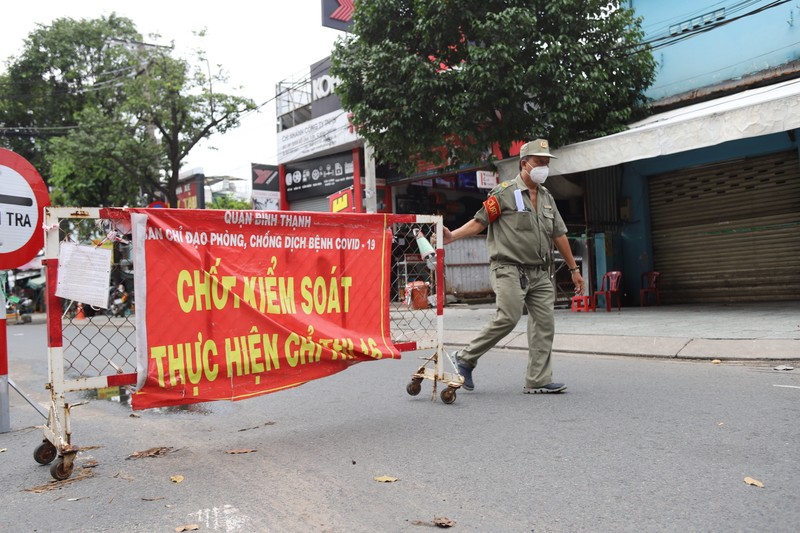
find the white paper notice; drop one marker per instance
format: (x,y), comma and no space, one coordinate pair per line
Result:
(84,274)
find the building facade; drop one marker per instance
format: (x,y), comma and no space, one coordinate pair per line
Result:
(707,190)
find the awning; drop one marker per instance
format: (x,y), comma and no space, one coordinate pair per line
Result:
(37,283)
(752,113)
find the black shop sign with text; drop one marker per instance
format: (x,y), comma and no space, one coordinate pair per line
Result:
(319,177)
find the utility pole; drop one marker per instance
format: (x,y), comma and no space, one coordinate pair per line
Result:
(370,191)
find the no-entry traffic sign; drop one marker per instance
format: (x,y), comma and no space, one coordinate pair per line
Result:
(23,197)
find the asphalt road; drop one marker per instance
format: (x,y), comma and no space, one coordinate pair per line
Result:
(633,445)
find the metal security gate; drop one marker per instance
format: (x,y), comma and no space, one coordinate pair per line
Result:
(728,232)
(317,204)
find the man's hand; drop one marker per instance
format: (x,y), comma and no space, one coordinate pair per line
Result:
(577,279)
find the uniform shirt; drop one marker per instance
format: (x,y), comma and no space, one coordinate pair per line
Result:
(517,233)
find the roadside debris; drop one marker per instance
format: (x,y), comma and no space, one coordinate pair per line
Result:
(753,482)
(152,452)
(438,521)
(270,423)
(83,473)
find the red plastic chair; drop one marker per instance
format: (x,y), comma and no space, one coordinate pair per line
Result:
(649,286)
(608,287)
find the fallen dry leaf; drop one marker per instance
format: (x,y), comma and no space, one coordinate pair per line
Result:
(234,452)
(439,521)
(385,479)
(715,361)
(151,452)
(3,450)
(187,527)
(443,521)
(176,479)
(754,482)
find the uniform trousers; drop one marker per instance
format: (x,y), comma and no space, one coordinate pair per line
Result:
(539,298)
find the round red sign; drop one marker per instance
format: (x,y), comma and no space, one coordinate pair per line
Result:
(23,197)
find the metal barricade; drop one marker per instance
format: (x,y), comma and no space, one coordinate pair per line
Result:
(418,299)
(94,348)
(88,347)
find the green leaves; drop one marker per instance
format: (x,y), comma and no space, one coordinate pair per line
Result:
(106,117)
(422,74)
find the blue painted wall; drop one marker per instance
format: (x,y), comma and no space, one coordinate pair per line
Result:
(751,44)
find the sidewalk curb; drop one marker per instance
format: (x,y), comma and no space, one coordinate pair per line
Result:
(662,347)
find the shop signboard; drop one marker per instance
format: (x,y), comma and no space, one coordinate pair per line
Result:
(338,14)
(315,136)
(266,187)
(319,177)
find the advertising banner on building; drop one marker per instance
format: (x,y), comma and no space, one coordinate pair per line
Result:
(328,132)
(338,14)
(324,99)
(266,187)
(190,192)
(319,177)
(236,304)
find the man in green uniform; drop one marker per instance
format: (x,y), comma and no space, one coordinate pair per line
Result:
(523,221)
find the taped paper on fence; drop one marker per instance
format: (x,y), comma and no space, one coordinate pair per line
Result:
(84,274)
(243,303)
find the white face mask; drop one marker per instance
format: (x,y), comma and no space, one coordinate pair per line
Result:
(539,174)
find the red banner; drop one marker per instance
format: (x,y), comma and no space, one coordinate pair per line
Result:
(243,303)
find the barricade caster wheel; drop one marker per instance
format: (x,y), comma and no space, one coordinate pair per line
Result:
(45,453)
(60,471)
(448,395)
(414,387)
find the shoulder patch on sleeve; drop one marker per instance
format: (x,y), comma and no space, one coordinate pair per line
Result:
(492,205)
(500,186)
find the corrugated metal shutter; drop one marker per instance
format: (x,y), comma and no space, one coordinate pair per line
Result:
(318,204)
(467,267)
(728,232)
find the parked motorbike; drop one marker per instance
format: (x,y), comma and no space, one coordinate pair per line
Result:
(119,302)
(19,308)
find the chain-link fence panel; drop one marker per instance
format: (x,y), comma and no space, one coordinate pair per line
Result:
(414,295)
(100,340)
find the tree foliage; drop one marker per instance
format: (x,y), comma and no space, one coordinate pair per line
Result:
(64,68)
(228,202)
(421,74)
(178,101)
(106,118)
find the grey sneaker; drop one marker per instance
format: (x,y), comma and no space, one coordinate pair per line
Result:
(465,372)
(546,389)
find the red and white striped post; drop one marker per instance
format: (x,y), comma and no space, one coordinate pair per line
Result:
(5,409)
